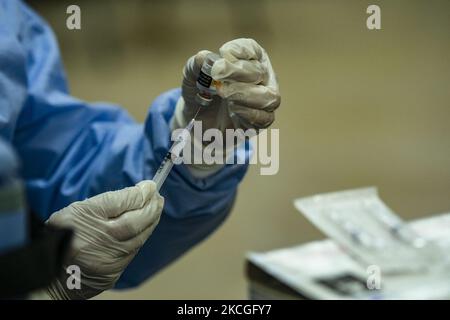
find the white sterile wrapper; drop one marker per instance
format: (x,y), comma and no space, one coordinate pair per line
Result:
(371,232)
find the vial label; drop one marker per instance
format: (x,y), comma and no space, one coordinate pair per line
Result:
(204,79)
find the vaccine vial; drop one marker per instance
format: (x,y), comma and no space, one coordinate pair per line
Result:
(206,85)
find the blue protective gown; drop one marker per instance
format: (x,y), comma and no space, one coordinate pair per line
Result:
(71,150)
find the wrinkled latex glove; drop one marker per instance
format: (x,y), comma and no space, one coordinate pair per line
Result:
(109,229)
(248,95)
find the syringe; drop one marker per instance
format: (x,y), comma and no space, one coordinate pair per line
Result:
(174,153)
(207,87)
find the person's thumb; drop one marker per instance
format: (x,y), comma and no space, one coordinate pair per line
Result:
(114,203)
(193,66)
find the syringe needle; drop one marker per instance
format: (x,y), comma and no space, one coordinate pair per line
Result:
(196,113)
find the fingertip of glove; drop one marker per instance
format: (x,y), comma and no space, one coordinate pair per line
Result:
(200,57)
(147,188)
(161,201)
(241,48)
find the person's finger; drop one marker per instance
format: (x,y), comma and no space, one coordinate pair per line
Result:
(272,81)
(193,67)
(241,49)
(240,70)
(252,118)
(131,223)
(251,95)
(133,244)
(113,203)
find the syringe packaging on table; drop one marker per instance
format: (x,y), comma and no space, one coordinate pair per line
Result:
(370,231)
(411,259)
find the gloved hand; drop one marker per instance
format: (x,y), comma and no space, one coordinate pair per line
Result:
(108,229)
(247,97)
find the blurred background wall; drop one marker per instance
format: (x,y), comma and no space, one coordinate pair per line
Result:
(359,108)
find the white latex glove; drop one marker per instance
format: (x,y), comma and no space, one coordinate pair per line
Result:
(109,229)
(249,89)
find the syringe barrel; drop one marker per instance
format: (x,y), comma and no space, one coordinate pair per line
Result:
(173,153)
(163,171)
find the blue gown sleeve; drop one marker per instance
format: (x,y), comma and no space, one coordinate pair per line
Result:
(71,150)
